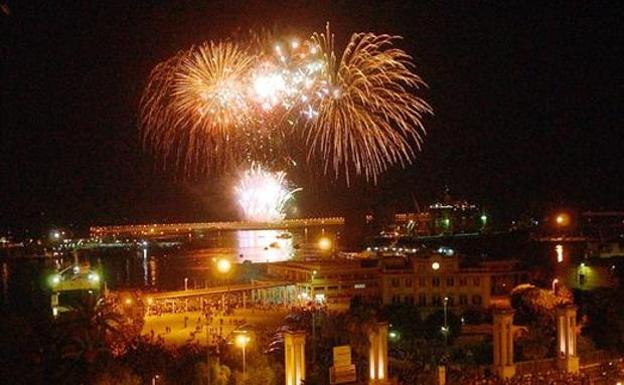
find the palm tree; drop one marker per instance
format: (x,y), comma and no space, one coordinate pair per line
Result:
(84,337)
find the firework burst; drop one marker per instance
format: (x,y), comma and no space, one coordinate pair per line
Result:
(218,105)
(263,195)
(367,118)
(195,109)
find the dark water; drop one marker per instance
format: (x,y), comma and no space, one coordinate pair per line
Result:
(24,281)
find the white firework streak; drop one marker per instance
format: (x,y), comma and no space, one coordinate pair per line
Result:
(263,195)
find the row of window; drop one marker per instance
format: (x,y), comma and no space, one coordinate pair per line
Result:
(435,282)
(346,287)
(437,300)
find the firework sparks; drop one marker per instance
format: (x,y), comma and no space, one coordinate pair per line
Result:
(367,119)
(219,105)
(195,108)
(263,195)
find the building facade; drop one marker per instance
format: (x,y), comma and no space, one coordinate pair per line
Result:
(421,280)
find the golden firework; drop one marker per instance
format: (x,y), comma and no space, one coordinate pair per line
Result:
(368,118)
(195,108)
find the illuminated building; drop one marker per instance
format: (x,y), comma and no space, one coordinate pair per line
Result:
(422,280)
(444,218)
(425,280)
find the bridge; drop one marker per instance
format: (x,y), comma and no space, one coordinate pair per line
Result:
(160,229)
(230,289)
(275,292)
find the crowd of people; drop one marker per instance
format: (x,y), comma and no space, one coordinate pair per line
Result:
(610,373)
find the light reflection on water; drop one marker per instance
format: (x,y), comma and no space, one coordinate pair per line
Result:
(265,245)
(166,269)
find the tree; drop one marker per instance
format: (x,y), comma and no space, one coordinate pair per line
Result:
(148,357)
(605,313)
(116,374)
(82,339)
(433,326)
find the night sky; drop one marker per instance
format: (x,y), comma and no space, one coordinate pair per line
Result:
(528,103)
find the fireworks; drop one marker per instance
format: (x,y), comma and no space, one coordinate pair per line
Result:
(263,195)
(221,104)
(195,108)
(368,118)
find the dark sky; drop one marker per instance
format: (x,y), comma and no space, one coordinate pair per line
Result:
(528,100)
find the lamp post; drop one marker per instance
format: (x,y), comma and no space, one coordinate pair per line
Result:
(223,267)
(314,272)
(445,328)
(242,340)
(325,244)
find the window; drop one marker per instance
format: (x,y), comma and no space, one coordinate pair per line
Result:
(332,288)
(395,282)
(409,299)
(435,282)
(463,281)
(408,282)
(436,300)
(450,281)
(463,299)
(422,299)
(476,299)
(451,300)
(422,282)
(476,281)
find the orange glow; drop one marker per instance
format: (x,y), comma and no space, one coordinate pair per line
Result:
(562,219)
(242,340)
(224,266)
(325,244)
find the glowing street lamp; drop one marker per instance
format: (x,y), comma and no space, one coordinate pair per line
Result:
(562,220)
(325,244)
(224,266)
(242,340)
(93,277)
(55,280)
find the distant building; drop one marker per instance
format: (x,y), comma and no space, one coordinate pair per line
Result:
(444,218)
(426,280)
(422,280)
(334,280)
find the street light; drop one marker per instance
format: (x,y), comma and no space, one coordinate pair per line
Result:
(325,244)
(562,219)
(554,285)
(445,329)
(314,272)
(242,340)
(224,266)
